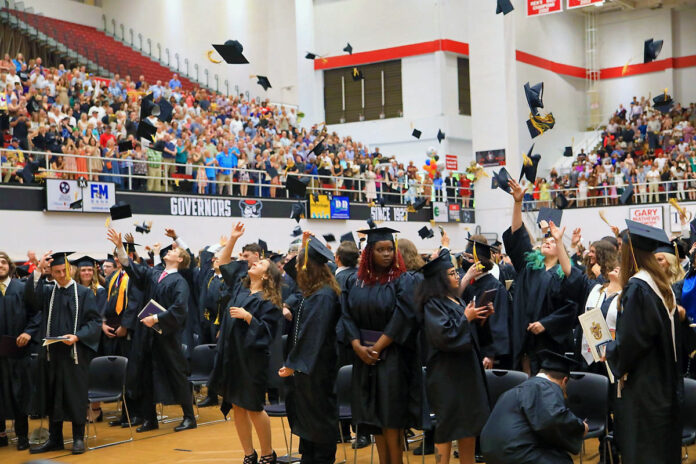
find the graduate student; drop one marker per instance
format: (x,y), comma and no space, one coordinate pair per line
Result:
(157,365)
(250,324)
(310,365)
(455,379)
(531,424)
(542,316)
(645,356)
(18,326)
(379,323)
(69,311)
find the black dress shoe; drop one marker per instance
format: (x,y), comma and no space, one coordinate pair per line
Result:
(48,445)
(361,442)
(186,424)
(4,441)
(78,446)
(22,443)
(147,426)
(136,421)
(208,402)
(116,423)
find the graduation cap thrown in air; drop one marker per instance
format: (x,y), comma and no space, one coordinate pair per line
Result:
(501,180)
(420,203)
(416,133)
(550,214)
(627,195)
(297,231)
(371,223)
(144,228)
(231,52)
(296,186)
(146,131)
(163,252)
(646,238)
(503,6)
(77,204)
(534,95)
(382,201)
(442,263)
(379,234)
(318,149)
(538,124)
(425,232)
(263,82)
(125,145)
(357,74)
(348,49)
(311,56)
(120,211)
(663,102)
(552,361)
(297,211)
(348,237)
(530,164)
(329,238)
(60,257)
(568,152)
(561,202)
(651,48)
(440,136)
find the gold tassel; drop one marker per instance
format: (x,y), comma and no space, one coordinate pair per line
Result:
(396,243)
(306,254)
(477,263)
(68,269)
(633,255)
(542,123)
(217,319)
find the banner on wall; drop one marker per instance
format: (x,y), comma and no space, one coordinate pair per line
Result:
(97,197)
(675,222)
(543,7)
(454,212)
(440,211)
(488,158)
(340,207)
(321,208)
(648,215)
(451,163)
(389,213)
(581,3)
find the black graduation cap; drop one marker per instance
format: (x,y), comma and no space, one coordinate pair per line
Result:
(318,149)
(503,6)
(379,234)
(264,247)
(371,223)
(483,250)
(663,102)
(550,214)
(297,211)
(231,52)
(348,49)
(148,107)
(568,152)
(109,259)
(627,195)
(60,257)
(681,247)
(120,211)
(651,48)
(263,122)
(347,237)
(420,203)
(166,110)
(530,170)
(311,56)
(538,124)
(416,133)
(297,231)
(645,237)
(146,131)
(125,145)
(275,257)
(290,267)
(163,252)
(357,74)
(561,202)
(84,261)
(500,180)
(329,238)
(437,265)
(318,251)
(426,232)
(263,82)
(552,361)
(440,136)
(382,201)
(130,247)
(22,271)
(76,204)
(534,95)
(144,228)
(296,186)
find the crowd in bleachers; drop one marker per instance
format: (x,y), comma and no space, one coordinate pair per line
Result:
(655,151)
(213,144)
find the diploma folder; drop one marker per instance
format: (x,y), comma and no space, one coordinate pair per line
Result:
(152,308)
(597,334)
(51,340)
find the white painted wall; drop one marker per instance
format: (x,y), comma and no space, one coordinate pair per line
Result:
(67,11)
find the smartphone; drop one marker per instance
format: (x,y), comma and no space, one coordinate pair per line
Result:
(487,297)
(442,230)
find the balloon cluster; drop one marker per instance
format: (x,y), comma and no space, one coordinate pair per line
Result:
(430,166)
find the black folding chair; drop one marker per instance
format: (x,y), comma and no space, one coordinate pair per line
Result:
(107,384)
(689,428)
(588,398)
(499,381)
(202,363)
(343,380)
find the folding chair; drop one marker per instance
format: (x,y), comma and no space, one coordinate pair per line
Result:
(343,380)
(588,397)
(689,428)
(202,363)
(107,384)
(499,381)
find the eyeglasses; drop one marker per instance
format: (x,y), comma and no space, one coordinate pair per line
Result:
(453,273)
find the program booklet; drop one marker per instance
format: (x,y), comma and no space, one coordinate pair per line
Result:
(152,308)
(597,334)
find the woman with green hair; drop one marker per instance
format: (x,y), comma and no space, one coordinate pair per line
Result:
(542,317)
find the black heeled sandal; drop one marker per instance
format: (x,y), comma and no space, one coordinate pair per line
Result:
(252,458)
(269,458)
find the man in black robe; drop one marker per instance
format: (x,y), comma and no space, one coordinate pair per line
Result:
(69,311)
(531,424)
(158,369)
(18,326)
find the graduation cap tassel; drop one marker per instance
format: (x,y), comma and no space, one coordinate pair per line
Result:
(542,123)
(68,269)
(217,319)
(306,256)
(633,254)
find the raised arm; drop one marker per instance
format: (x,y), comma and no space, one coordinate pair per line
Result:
(226,253)
(563,258)
(518,195)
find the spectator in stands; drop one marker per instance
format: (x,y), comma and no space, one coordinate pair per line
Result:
(174,82)
(154,169)
(228,161)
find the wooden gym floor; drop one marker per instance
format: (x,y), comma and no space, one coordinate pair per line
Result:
(210,443)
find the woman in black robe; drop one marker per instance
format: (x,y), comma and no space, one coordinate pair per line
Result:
(645,356)
(542,316)
(379,323)
(248,328)
(455,379)
(310,364)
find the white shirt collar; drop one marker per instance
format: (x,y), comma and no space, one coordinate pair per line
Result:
(342,268)
(7,282)
(170,271)
(66,285)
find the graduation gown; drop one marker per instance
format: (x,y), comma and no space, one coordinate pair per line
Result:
(16,318)
(387,394)
(63,380)
(539,296)
(455,380)
(647,415)
(346,279)
(159,357)
(531,424)
(118,346)
(242,362)
(494,334)
(311,352)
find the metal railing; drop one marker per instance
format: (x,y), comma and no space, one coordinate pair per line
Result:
(248,182)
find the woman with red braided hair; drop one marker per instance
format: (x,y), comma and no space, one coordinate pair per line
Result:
(379,323)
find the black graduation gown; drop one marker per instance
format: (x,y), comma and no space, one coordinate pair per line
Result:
(118,346)
(538,297)
(16,318)
(387,394)
(159,356)
(531,424)
(311,352)
(63,383)
(647,417)
(494,335)
(346,279)
(242,362)
(455,380)
(688,345)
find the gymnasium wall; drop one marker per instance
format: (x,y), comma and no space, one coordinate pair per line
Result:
(67,11)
